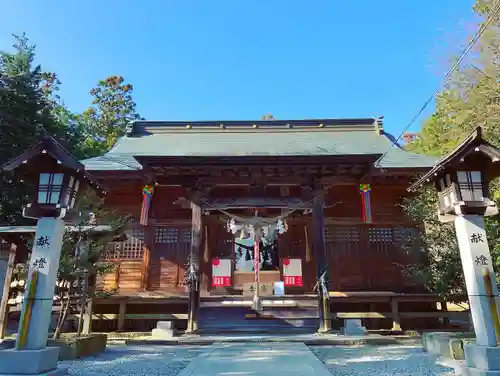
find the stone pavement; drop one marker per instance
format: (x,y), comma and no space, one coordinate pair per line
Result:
(308,339)
(255,359)
(270,359)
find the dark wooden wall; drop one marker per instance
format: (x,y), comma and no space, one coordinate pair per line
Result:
(360,256)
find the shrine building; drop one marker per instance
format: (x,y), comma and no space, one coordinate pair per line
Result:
(330,190)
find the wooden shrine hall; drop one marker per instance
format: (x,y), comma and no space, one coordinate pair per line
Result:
(332,187)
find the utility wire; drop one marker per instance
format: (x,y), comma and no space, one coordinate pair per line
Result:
(482,29)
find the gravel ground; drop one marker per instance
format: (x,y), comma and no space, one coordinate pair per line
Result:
(379,361)
(136,361)
(340,361)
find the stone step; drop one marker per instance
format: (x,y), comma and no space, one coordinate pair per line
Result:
(245,320)
(165,325)
(157,333)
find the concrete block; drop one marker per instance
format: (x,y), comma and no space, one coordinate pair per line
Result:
(165,325)
(483,358)
(465,371)
(353,327)
(456,349)
(438,343)
(158,333)
(28,362)
(57,372)
(7,344)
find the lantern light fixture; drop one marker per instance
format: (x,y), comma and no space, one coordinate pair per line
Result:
(57,177)
(462,177)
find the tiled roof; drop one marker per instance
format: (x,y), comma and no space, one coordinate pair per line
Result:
(320,137)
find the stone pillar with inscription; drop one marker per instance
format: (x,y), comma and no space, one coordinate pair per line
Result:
(477,266)
(32,356)
(45,260)
(461,179)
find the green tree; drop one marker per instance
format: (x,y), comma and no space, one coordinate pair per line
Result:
(113,109)
(28,106)
(81,260)
(471,98)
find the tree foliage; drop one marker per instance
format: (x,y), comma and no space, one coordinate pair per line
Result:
(471,98)
(30,106)
(27,106)
(112,111)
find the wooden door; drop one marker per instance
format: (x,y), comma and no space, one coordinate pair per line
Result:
(130,255)
(294,244)
(344,248)
(169,256)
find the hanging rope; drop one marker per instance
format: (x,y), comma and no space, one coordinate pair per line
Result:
(206,252)
(308,248)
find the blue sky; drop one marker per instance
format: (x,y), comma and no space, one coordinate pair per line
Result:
(231,59)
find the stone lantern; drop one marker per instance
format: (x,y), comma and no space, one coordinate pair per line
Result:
(461,179)
(57,178)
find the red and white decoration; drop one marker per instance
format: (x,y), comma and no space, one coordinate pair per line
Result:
(292,272)
(221,272)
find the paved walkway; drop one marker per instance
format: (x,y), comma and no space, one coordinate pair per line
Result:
(257,360)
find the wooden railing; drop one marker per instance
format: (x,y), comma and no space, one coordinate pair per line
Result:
(395,300)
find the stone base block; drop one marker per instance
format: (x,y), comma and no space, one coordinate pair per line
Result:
(463,370)
(7,344)
(482,358)
(57,372)
(30,362)
(353,327)
(158,333)
(165,325)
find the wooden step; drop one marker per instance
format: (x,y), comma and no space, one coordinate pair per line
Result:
(243,319)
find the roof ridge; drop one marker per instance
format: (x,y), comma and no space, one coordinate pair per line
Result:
(144,127)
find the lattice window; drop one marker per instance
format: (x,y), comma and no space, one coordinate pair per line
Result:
(131,249)
(380,235)
(185,235)
(405,235)
(342,234)
(133,246)
(166,235)
(114,250)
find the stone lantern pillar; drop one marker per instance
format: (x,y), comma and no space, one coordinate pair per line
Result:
(57,178)
(461,179)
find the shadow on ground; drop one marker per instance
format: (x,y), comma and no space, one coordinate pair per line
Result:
(137,361)
(378,360)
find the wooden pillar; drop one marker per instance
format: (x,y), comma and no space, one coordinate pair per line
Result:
(149,238)
(89,309)
(194,258)
(444,308)
(4,307)
(396,320)
(121,314)
(87,317)
(321,264)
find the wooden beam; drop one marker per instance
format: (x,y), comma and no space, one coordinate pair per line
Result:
(363,315)
(288,179)
(4,307)
(408,315)
(450,315)
(139,316)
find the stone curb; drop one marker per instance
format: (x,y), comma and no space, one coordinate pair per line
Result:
(306,341)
